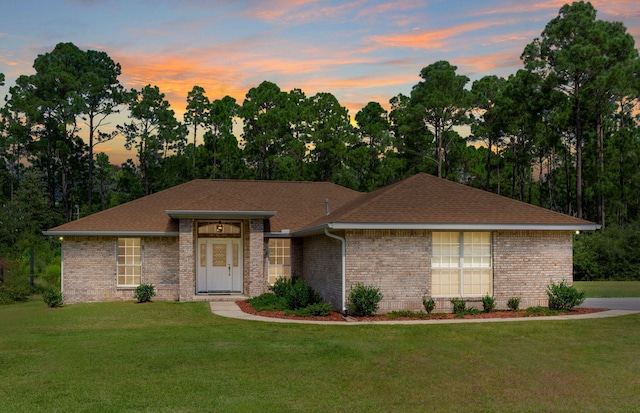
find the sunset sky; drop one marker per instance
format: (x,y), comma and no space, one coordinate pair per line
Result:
(358,50)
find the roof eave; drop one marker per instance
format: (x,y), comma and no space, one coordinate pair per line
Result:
(86,233)
(446,227)
(203,214)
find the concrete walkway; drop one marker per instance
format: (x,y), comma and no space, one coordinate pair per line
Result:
(231,310)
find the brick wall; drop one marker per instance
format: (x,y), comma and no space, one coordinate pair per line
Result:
(322,267)
(525,262)
(395,261)
(89,269)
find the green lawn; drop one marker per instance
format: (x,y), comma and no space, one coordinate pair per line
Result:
(606,289)
(178,357)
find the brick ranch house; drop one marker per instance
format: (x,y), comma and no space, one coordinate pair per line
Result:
(420,236)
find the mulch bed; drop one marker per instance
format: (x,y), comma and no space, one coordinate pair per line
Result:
(335,316)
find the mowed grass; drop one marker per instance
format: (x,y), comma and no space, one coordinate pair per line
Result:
(178,357)
(608,289)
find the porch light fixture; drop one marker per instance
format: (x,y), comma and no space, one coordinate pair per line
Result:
(219,227)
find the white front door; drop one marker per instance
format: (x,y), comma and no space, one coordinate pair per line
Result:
(219,265)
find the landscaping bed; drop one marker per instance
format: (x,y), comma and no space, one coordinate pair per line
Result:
(335,316)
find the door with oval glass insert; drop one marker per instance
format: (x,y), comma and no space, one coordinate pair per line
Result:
(219,266)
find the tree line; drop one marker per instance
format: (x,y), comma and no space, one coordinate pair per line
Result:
(561,133)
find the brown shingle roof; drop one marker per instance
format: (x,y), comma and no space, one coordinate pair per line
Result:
(295,203)
(421,199)
(426,199)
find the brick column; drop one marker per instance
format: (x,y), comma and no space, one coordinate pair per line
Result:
(187,272)
(257,279)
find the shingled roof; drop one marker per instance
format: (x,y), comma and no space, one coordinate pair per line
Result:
(421,201)
(289,205)
(426,201)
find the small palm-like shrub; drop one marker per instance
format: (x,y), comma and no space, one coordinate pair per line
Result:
(364,300)
(144,293)
(429,304)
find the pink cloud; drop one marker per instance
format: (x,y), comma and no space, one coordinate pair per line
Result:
(425,39)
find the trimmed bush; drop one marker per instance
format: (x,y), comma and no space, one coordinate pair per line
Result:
(488,303)
(429,304)
(53,297)
(301,295)
(364,300)
(144,293)
(514,303)
(564,297)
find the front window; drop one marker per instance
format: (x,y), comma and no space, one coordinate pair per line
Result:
(461,264)
(129,262)
(279,259)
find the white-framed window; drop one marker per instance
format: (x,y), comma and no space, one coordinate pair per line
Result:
(129,262)
(461,264)
(279,259)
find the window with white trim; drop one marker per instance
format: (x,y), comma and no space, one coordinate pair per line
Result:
(279,259)
(129,262)
(461,264)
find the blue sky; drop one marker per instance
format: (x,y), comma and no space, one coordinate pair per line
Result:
(358,50)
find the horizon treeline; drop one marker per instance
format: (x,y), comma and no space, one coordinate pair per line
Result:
(562,132)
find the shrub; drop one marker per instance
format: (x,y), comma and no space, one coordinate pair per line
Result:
(12,293)
(563,296)
(317,309)
(282,286)
(429,304)
(364,300)
(459,306)
(53,297)
(144,292)
(514,303)
(302,295)
(488,303)
(268,302)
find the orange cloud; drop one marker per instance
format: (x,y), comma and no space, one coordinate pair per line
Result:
(425,39)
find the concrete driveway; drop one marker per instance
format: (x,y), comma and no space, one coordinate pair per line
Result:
(631,304)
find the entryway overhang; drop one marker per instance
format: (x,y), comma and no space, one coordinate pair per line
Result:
(199,214)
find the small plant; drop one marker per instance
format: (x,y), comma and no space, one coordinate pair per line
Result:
(513,303)
(364,300)
(53,297)
(268,302)
(144,293)
(564,297)
(459,306)
(429,304)
(488,303)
